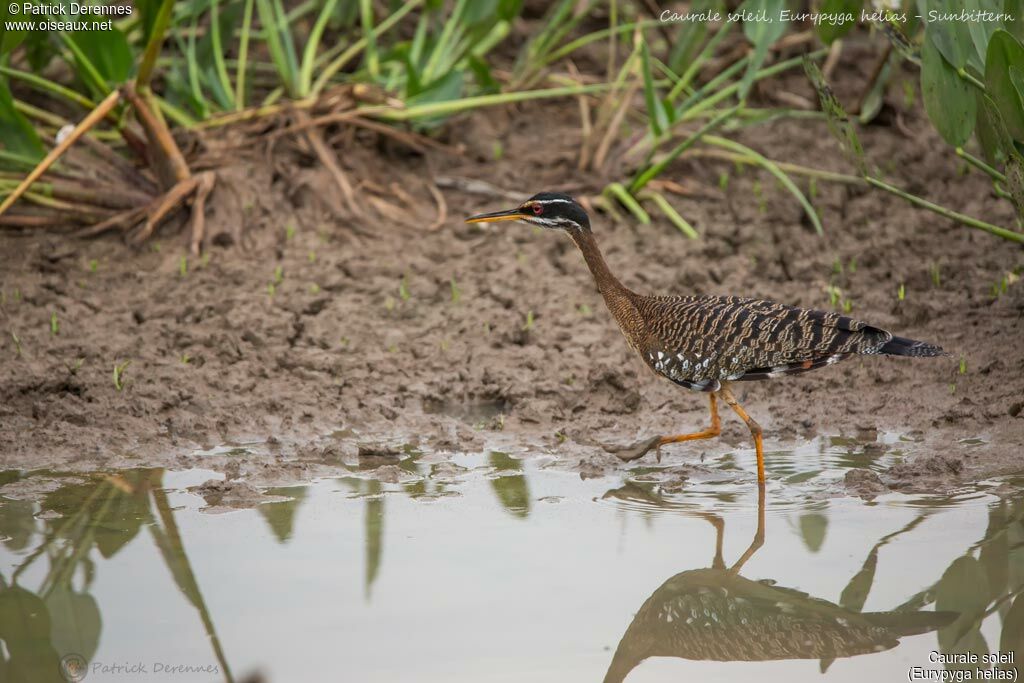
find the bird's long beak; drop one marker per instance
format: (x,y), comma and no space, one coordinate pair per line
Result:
(494,217)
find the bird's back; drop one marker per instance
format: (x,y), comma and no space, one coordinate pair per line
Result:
(700,341)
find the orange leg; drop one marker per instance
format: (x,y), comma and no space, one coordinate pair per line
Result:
(657,442)
(755,430)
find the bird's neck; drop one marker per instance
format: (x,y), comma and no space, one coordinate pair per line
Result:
(607,283)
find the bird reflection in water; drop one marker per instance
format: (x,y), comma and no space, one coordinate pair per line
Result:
(715,614)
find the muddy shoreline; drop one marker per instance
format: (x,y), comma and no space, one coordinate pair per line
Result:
(317,336)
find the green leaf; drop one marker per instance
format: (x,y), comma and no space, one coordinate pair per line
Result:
(947,97)
(655,113)
(16,133)
(981,31)
(995,142)
(10,38)
(1015,25)
(952,38)
(1004,52)
(828,32)
(761,33)
(109,53)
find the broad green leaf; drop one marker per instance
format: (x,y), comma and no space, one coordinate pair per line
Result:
(1014,8)
(16,133)
(948,99)
(995,142)
(11,38)
(761,32)
(981,31)
(109,53)
(952,37)
(1004,52)
(849,10)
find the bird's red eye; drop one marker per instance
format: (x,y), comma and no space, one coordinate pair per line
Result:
(538,209)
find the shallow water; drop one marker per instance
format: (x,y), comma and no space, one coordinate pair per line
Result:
(496,568)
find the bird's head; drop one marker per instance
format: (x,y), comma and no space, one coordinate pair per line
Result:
(546,209)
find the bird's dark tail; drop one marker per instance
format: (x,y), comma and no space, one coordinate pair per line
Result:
(901,346)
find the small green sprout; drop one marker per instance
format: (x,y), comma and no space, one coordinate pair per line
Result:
(837,266)
(561,437)
(812,188)
(17,345)
(185,358)
(311,256)
(963,365)
(289,230)
(952,387)
(445,344)
(94,265)
(271,289)
(278,275)
(456,292)
(314,288)
(119,381)
(403,288)
(497,150)
(155,247)
(54,326)
(723,180)
(933,270)
(847,306)
(204,260)
(389,303)
(393,348)
(529,321)
(852,268)
(834,294)
(183,266)
(584,310)
(73,368)
(901,293)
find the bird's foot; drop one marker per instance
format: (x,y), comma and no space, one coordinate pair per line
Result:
(637,450)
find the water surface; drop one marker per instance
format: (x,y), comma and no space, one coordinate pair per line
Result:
(497,568)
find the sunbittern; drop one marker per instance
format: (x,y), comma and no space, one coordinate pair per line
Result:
(704,342)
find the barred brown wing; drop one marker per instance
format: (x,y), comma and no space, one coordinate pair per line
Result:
(698,342)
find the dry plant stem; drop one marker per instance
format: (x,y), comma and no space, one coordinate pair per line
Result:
(123,167)
(88,122)
(442,207)
(123,220)
(163,152)
(330,162)
(15,220)
(171,200)
(834,53)
(613,126)
(206,179)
